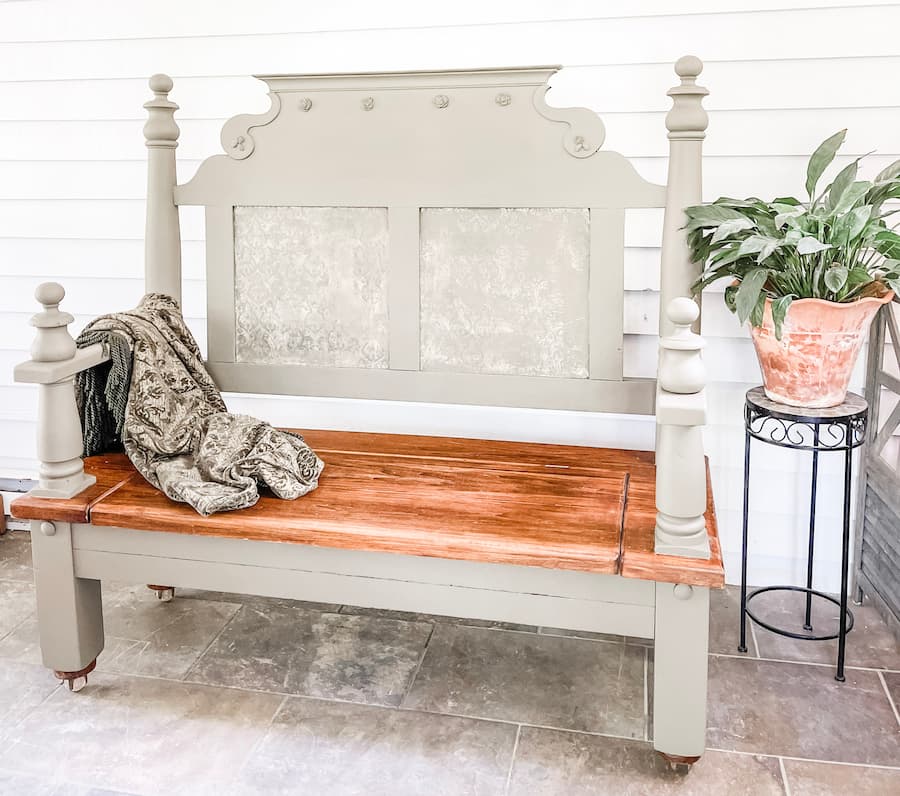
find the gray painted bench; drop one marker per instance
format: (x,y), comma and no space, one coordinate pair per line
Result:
(432,236)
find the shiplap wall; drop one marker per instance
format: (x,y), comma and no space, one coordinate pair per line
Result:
(73,80)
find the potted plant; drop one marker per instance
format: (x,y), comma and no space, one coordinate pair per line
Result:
(809,276)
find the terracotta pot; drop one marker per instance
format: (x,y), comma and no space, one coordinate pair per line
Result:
(812,363)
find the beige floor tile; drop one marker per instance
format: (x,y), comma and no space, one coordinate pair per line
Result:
(159,639)
(15,556)
(553,763)
(547,680)
(317,747)
(12,784)
(799,710)
(829,779)
(892,680)
(141,735)
(16,604)
(869,644)
(725,622)
(313,653)
(23,687)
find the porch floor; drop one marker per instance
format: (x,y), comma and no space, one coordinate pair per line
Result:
(218,693)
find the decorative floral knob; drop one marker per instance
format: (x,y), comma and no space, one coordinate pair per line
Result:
(503,100)
(305,104)
(368,103)
(239,143)
(441,101)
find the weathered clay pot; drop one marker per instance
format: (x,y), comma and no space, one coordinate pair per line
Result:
(812,363)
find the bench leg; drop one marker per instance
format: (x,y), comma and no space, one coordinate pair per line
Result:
(679,672)
(69,610)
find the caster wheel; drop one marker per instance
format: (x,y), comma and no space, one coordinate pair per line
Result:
(163,593)
(679,763)
(77,680)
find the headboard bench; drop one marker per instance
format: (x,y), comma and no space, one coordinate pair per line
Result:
(443,237)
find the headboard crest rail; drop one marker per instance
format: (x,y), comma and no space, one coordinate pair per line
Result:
(442,236)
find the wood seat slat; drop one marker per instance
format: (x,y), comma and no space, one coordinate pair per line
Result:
(111,471)
(416,506)
(640,560)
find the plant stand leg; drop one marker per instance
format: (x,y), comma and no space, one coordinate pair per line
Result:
(69,610)
(680,672)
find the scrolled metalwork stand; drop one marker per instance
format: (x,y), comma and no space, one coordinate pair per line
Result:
(837,428)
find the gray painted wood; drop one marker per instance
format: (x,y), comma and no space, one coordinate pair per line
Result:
(680,669)
(69,610)
(631,396)
(220,315)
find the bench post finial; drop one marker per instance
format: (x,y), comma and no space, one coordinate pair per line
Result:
(59,441)
(162,245)
(680,416)
(686,122)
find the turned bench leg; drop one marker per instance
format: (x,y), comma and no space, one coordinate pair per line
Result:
(69,611)
(680,671)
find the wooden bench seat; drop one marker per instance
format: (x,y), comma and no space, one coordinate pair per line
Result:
(555,506)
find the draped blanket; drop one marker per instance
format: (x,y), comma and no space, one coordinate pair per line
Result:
(155,399)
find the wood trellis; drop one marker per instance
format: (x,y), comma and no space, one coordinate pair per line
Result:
(878,540)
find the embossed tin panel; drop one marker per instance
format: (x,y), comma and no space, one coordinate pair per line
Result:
(311,286)
(505,291)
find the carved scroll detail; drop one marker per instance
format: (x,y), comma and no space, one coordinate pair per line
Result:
(586,132)
(236,139)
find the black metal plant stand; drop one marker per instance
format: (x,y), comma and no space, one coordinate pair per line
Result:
(838,428)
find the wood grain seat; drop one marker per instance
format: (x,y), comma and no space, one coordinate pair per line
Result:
(565,507)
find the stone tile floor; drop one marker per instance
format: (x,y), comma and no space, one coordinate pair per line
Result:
(223,694)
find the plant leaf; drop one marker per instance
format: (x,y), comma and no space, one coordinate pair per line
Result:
(810,245)
(701,216)
(848,226)
(780,307)
(887,243)
(821,158)
(730,294)
(851,196)
(788,214)
(729,227)
(890,172)
(749,291)
(836,278)
(843,180)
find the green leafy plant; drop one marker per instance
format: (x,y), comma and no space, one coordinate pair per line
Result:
(836,246)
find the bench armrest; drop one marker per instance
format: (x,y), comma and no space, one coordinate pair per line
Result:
(680,417)
(55,360)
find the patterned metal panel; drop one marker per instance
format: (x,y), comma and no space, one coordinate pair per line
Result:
(505,291)
(311,286)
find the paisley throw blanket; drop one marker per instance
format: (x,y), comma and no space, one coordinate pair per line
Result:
(155,399)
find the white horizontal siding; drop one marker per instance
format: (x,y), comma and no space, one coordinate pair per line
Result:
(73,80)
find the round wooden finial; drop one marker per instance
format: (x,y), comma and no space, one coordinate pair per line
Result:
(687,119)
(160,84)
(52,343)
(50,294)
(160,131)
(681,368)
(688,67)
(682,311)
